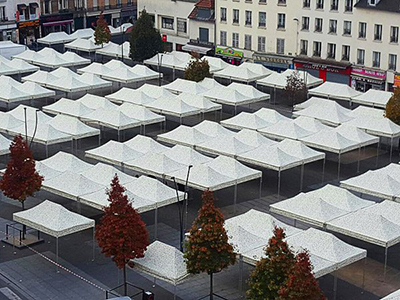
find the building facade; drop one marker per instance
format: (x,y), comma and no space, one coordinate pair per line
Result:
(348,41)
(185,25)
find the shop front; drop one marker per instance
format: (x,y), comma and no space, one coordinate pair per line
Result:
(200,47)
(128,15)
(56,23)
(277,63)
(326,70)
(364,79)
(8,31)
(230,55)
(28,31)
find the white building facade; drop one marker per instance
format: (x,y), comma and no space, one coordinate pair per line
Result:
(183,24)
(348,41)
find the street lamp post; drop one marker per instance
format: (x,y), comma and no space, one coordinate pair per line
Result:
(159,66)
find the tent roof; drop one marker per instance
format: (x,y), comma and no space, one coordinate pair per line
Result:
(4,145)
(331,140)
(182,85)
(355,134)
(8,121)
(103,174)
(328,114)
(199,102)
(111,118)
(285,129)
(309,79)
(71,185)
(84,33)
(55,38)
(212,129)
(382,183)
(62,162)
(372,97)
(95,68)
(316,100)
(333,90)
(131,96)
(95,102)
(173,106)
(368,226)
(36,91)
(80,44)
(141,113)
(163,262)
(210,83)
(145,144)
(230,146)
(246,120)
(53,219)
(72,126)
(229,96)
(94,81)
(253,138)
(393,296)
(43,133)
(113,152)
(301,151)
(122,75)
(154,91)
(376,126)
(68,107)
(186,155)
(246,72)
(184,135)
(319,206)
(249,91)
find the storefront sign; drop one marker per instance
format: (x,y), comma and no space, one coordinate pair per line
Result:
(56,18)
(397,80)
(323,67)
(228,52)
(33,23)
(369,73)
(273,59)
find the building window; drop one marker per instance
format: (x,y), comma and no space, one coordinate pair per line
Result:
(248,17)
(360,57)
(320,4)
(362,30)
(318,24)
(392,62)
(305,23)
(247,42)
(333,26)
(203,35)
(346,53)
(394,34)
(280,46)
(335,5)
(262,19)
(331,51)
(317,49)
(181,25)
(235,40)
(348,7)
(281,2)
(262,1)
(47,7)
(223,38)
(376,59)
(261,44)
(235,16)
(223,14)
(303,47)
(306,3)
(347,28)
(281,21)
(167,23)
(378,32)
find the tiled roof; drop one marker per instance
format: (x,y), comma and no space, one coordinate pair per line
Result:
(383,5)
(206,4)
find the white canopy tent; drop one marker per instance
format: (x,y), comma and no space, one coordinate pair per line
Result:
(74,127)
(85,45)
(55,220)
(199,102)
(320,101)
(249,91)
(393,296)
(319,206)
(262,118)
(246,72)
(374,98)
(180,85)
(334,91)
(280,80)
(128,95)
(62,162)
(376,224)
(15,66)
(4,145)
(382,183)
(142,114)
(184,135)
(63,37)
(154,91)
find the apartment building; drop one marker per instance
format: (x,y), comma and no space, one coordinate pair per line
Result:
(348,41)
(262,30)
(185,25)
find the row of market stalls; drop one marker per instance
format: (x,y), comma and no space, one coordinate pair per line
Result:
(15,67)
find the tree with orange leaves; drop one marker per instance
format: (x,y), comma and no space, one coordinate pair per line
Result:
(102,33)
(121,233)
(301,284)
(272,271)
(207,248)
(20,180)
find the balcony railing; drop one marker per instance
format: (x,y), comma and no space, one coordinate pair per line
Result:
(392,67)
(331,55)
(360,61)
(317,53)
(106,7)
(345,57)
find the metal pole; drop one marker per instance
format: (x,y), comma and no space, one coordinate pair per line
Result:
(323,170)
(260,187)
(334,285)
(385,266)
(241,273)
(94,245)
(391,148)
(279,183)
(155,223)
(377,153)
(57,254)
(234,198)
(338,173)
(301,176)
(359,158)
(26,126)
(363,283)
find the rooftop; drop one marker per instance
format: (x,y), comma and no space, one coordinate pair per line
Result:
(383,5)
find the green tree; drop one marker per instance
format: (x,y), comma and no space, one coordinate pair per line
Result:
(301,284)
(207,248)
(197,69)
(102,33)
(145,40)
(272,271)
(393,107)
(296,89)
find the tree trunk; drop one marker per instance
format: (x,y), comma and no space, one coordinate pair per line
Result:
(125,285)
(211,287)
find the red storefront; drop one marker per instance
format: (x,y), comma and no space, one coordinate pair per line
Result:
(325,69)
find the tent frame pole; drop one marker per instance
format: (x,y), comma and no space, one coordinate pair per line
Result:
(323,169)
(234,197)
(385,265)
(391,147)
(334,285)
(155,223)
(363,282)
(359,158)
(259,193)
(58,271)
(338,173)
(240,273)
(301,176)
(377,153)
(94,245)
(279,184)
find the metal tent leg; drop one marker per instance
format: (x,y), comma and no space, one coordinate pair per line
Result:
(334,285)
(363,280)
(240,273)
(279,184)
(47,151)
(118,135)
(385,266)
(57,254)
(94,244)
(391,148)
(338,172)
(359,158)
(259,193)
(234,198)
(323,170)
(155,223)
(144,129)
(301,176)
(377,154)
(174,291)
